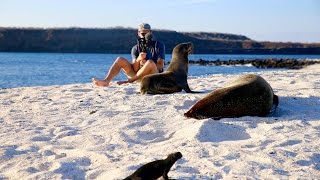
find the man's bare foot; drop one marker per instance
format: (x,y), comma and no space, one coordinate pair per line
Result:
(98,82)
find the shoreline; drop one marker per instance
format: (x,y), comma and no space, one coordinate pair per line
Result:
(260,63)
(266,63)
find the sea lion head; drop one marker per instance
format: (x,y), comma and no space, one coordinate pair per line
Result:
(195,113)
(183,49)
(179,62)
(175,156)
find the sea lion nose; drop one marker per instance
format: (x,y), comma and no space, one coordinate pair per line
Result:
(190,49)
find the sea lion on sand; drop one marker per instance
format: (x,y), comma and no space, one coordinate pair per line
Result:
(249,95)
(174,79)
(155,169)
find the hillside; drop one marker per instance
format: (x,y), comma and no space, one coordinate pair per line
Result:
(120,40)
(216,36)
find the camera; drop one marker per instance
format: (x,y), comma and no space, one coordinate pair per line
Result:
(145,41)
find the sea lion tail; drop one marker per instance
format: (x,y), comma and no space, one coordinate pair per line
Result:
(275,103)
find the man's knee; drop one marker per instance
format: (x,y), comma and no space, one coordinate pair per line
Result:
(120,61)
(151,64)
(151,67)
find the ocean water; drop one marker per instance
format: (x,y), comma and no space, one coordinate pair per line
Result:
(44,69)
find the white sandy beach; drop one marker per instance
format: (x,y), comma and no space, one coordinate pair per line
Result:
(81,131)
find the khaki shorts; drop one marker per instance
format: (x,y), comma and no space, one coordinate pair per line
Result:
(131,74)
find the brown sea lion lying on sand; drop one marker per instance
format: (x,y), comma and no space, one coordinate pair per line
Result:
(249,95)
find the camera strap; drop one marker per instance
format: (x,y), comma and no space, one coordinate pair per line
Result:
(155,47)
(138,47)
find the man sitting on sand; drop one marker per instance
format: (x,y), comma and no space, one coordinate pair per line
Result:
(147,58)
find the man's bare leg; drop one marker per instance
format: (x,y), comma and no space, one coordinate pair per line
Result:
(148,68)
(114,71)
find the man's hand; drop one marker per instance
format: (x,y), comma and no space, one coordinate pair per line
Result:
(142,58)
(160,65)
(124,82)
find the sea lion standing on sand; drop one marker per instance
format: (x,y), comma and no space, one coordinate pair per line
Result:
(155,169)
(250,95)
(174,79)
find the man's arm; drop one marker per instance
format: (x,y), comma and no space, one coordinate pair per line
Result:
(160,65)
(135,64)
(161,56)
(136,58)
(139,60)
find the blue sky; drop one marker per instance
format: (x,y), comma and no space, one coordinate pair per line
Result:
(262,20)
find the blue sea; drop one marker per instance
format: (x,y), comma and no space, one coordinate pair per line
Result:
(44,69)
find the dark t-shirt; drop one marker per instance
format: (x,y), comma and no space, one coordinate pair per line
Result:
(155,51)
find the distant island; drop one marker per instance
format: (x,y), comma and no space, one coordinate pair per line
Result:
(121,40)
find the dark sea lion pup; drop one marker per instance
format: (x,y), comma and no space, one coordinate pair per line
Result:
(155,169)
(174,79)
(250,95)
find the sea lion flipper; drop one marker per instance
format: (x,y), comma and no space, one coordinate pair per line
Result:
(193,92)
(183,84)
(186,88)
